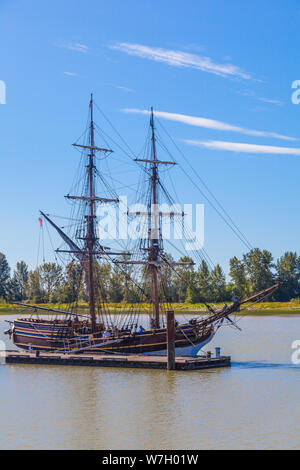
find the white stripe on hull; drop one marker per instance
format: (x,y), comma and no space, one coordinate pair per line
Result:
(191,350)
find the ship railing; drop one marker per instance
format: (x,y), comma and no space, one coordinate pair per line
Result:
(77,345)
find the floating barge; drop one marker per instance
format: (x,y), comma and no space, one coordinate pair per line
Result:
(123,361)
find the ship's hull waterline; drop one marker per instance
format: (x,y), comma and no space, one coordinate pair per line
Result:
(47,336)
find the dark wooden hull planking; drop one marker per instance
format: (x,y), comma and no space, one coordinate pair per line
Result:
(59,336)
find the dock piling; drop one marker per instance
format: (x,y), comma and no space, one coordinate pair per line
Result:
(171,340)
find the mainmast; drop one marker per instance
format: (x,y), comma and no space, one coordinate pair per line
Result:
(155,259)
(154,233)
(154,243)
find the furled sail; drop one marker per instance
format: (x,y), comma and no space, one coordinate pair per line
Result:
(74,249)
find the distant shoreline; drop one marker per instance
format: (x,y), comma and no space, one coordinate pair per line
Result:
(263,308)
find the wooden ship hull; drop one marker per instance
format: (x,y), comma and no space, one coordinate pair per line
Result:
(36,334)
(45,335)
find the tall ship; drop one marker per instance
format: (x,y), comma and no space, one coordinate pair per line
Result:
(144,266)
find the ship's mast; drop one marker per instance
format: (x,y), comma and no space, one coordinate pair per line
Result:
(91,236)
(154,244)
(91,247)
(87,254)
(155,259)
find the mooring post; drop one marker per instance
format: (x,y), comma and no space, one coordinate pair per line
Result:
(171,339)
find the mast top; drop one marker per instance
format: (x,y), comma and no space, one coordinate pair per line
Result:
(152,119)
(153,159)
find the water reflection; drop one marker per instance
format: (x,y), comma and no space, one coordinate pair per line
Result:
(265,365)
(251,405)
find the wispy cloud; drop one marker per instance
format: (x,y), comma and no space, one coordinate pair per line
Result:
(181,59)
(251,94)
(244,148)
(70,74)
(124,88)
(267,100)
(210,124)
(77,46)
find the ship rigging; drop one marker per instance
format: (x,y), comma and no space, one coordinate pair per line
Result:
(144,265)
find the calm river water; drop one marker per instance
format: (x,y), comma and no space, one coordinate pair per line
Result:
(252,405)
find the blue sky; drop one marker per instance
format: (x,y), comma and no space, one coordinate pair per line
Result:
(230,64)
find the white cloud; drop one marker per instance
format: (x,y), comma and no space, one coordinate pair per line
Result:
(70,74)
(210,124)
(244,148)
(124,88)
(77,46)
(181,59)
(251,94)
(267,100)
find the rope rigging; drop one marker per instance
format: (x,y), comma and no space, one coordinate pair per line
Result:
(136,278)
(230,221)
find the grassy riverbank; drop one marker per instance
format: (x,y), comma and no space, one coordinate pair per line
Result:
(264,308)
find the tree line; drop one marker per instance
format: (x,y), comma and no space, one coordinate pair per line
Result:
(255,271)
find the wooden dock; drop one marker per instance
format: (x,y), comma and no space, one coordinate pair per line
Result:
(123,361)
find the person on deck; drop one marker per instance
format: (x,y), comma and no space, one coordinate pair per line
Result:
(235,301)
(106,334)
(142,329)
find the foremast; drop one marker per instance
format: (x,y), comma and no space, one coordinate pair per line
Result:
(90,237)
(91,234)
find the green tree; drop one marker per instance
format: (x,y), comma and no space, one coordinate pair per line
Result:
(182,278)
(115,288)
(237,272)
(34,289)
(74,279)
(131,291)
(50,278)
(102,279)
(204,282)
(4,276)
(167,277)
(70,286)
(288,269)
(13,290)
(19,281)
(259,264)
(192,293)
(218,284)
